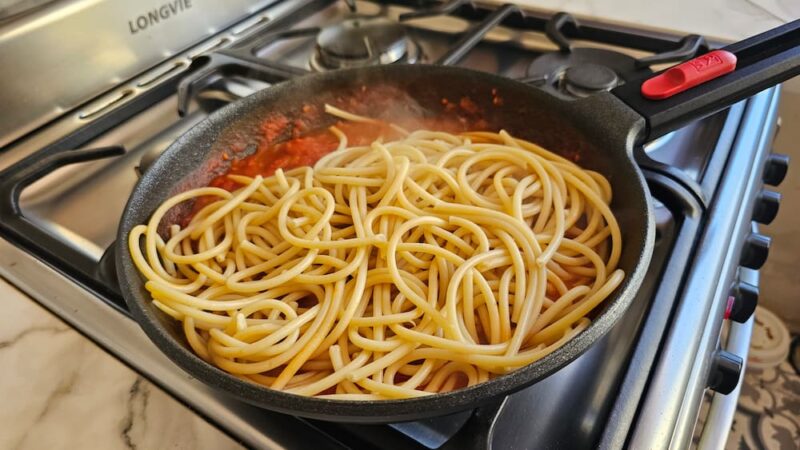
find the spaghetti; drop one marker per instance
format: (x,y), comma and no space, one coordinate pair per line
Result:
(392,270)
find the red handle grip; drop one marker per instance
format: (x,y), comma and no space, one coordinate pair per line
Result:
(689,74)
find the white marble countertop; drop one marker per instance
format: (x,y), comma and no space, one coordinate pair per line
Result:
(722,19)
(59,390)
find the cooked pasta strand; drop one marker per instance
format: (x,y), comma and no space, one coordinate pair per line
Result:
(392,270)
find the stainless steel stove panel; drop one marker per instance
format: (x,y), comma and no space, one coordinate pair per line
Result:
(504,50)
(433,35)
(71,51)
(86,200)
(65,202)
(701,137)
(668,414)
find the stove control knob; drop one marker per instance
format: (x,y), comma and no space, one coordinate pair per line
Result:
(766,206)
(755,251)
(742,302)
(725,372)
(775,169)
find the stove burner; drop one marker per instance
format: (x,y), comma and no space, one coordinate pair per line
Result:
(363,41)
(584,79)
(584,71)
(579,72)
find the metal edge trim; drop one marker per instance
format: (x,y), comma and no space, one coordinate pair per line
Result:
(723,407)
(663,415)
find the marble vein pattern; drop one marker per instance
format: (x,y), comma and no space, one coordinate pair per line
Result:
(58,390)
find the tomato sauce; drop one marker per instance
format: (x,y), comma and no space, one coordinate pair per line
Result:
(285,143)
(301,151)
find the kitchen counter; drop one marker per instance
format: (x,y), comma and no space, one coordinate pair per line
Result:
(59,390)
(726,20)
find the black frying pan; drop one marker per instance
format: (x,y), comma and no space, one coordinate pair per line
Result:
(599,131)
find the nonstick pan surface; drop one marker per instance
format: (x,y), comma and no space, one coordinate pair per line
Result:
(599,132)
(196,157)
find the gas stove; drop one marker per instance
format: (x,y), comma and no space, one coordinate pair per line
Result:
(67,173)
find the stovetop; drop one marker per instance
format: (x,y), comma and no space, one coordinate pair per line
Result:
(65,187)
(280,50)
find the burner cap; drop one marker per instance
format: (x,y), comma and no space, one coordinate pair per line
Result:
(362,41)
(584,71)
(587,78)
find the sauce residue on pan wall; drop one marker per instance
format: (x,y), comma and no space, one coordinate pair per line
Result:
(288,143)
(301,151)
(285,143)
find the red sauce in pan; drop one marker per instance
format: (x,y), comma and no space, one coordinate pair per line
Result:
(301,151)
(285,143)
(307,148)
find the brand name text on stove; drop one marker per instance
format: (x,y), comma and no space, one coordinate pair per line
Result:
(156,15)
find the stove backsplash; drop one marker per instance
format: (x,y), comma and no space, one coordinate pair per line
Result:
(60,56)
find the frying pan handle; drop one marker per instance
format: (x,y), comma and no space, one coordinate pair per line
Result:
(713,81)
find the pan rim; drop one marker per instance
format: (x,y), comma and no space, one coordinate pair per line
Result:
(380,411)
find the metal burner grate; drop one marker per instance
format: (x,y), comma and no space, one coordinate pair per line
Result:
(575,71)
